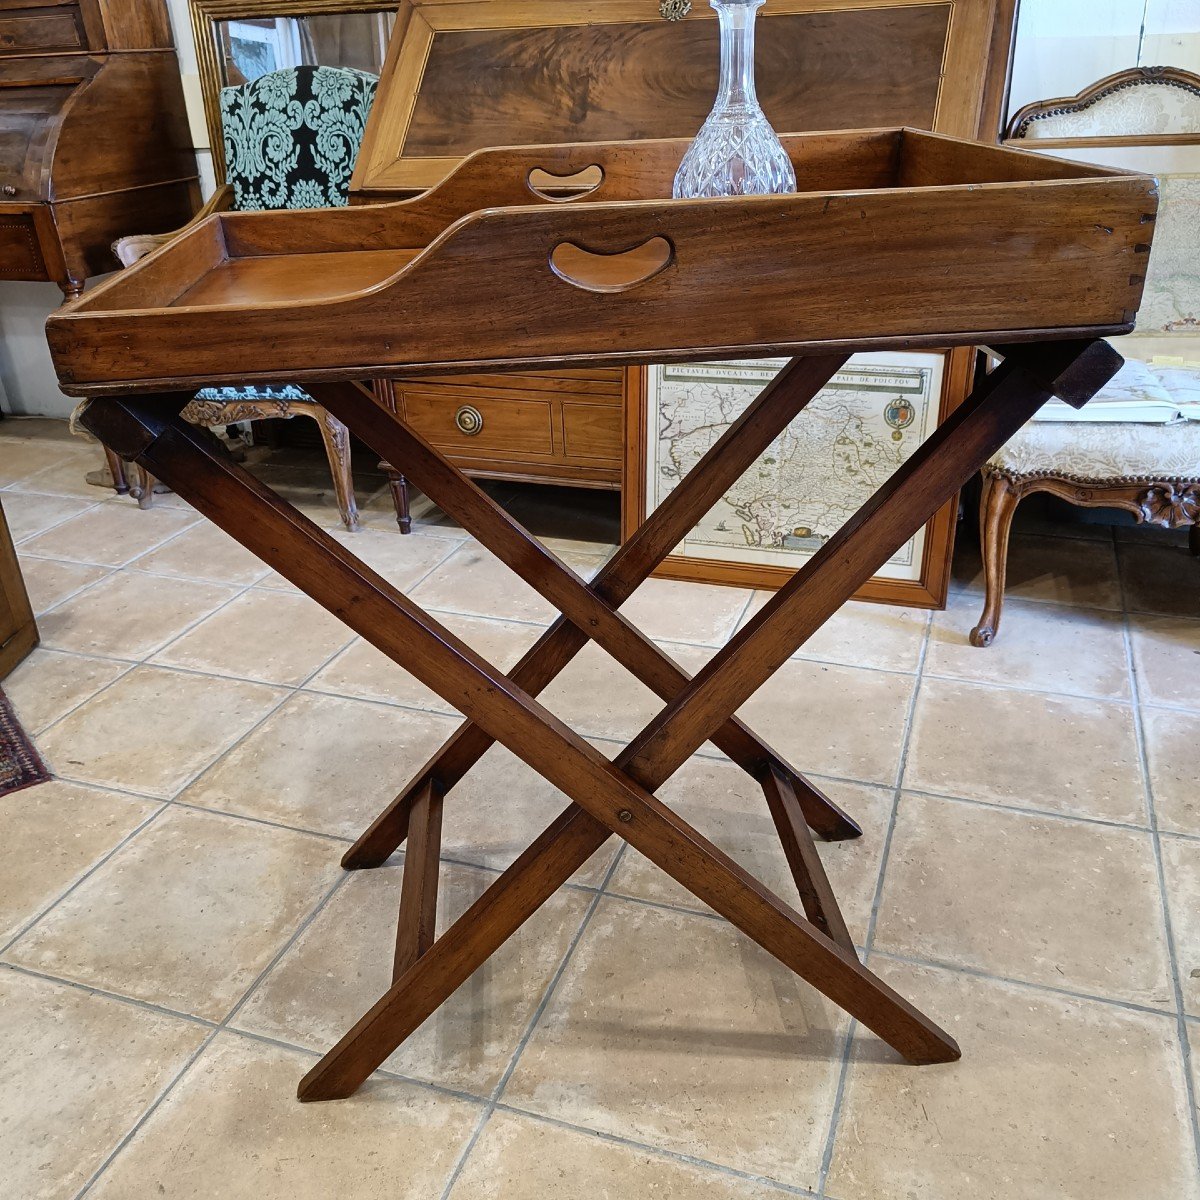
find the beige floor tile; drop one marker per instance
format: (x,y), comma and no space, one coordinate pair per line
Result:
(111,534)
(1058,753)
(518,1157)
(68,476)
(49,583)
(52,834)
(361,670)
(79,1070)
(672,1029)
(48,684)
(1173,758)
(1068,570)
(726,805)
(1166,655)
(1045,646)
(834,720)
(1054,1097)
(22,457)
(686,612)
(272,637)
(402,560)
(31,513)
(205,552)
(153,729)
(597,697)
(1160,579)
(322,763)
(233,1128)
(862,635)
(1181,867)
(1065,903)
(498,810)
(474,581)
(342,964)
(130,615)
(187,914)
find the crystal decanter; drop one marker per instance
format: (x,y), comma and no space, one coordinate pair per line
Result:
(736,152)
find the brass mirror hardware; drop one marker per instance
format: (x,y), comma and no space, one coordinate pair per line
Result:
(469,420)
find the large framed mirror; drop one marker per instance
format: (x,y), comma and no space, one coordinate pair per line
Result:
(239,40)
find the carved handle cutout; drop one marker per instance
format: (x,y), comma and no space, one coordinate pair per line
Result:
(561,189)
(616,272)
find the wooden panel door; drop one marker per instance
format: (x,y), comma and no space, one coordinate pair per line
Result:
(18,632)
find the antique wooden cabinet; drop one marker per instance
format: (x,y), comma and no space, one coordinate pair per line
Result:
(18,632)
(94,141)
(465,74)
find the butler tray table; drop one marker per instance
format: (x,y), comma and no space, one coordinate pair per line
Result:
(897,239)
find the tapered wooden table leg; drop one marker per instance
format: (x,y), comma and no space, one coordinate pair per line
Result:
(416,927)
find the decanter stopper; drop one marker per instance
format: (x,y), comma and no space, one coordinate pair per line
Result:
(736,152)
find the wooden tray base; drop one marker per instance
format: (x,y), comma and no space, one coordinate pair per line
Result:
(607,797)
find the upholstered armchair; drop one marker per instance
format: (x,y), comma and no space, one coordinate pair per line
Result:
(1137,444)
(291,140)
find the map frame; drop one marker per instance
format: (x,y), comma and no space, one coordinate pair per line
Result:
(925,587)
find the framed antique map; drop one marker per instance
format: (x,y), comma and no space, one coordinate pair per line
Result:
(813,478)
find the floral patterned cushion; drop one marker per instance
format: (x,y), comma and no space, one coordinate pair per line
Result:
(1100,453)
(291,137)
(231,395)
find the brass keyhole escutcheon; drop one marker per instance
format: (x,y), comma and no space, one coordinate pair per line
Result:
(469,420)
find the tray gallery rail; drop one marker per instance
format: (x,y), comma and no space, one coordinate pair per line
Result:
(914,239)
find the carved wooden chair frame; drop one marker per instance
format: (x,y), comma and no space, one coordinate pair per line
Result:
(1170,502)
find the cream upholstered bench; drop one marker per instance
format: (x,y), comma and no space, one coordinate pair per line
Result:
(1152,471)
(1131,447)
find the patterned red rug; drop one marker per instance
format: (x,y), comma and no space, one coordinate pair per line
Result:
(20,766)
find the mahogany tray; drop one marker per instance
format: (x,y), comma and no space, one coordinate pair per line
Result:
(902,238)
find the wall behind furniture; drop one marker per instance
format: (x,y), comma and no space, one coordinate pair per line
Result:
(1063,45)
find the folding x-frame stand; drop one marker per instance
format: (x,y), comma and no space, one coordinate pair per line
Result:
(608,797)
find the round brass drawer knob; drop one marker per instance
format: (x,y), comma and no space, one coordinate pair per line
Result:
(469,420)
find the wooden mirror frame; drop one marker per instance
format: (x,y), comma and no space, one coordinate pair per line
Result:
(206,16)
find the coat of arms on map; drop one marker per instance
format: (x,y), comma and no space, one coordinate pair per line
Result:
(868,421)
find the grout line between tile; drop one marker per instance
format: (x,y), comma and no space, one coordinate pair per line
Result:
(24,929)
(93,990)
(691,1160)
(523,1041)
(868,941)
(1189,1081)
(54,524)
(217,1028)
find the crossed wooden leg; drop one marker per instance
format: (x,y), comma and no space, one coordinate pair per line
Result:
(614,797)
(589,613)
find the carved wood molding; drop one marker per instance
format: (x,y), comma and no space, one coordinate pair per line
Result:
(1171,503)
(1041,110)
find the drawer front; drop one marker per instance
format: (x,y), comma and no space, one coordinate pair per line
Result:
(592,431)
(42,30)
(469,424)
(20,250)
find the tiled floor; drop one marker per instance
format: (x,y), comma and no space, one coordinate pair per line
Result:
(178,943)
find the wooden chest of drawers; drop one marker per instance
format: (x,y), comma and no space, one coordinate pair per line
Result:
(537,427)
